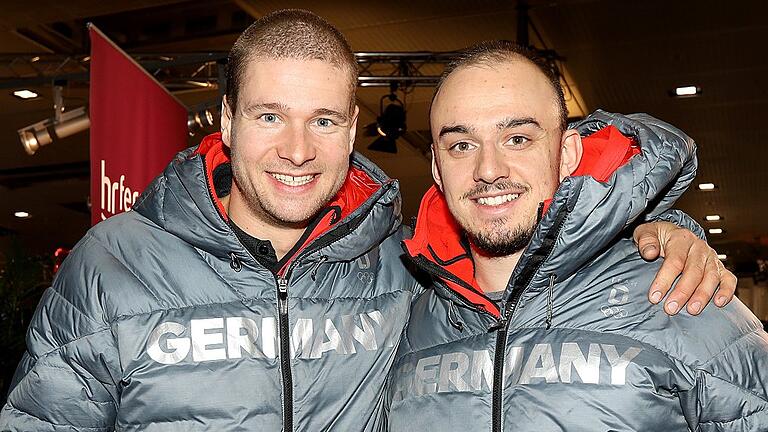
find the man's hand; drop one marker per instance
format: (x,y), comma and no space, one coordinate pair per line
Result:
(702,272)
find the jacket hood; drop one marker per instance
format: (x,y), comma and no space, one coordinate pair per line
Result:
(632,167)
(185,201)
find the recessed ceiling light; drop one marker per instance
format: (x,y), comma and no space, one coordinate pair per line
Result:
(25,94)
(21,214)
(715,230)
(722,257)
(687,91)
(712,218)
(707,186)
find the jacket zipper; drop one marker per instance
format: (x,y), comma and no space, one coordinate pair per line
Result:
(283,327)
(282,302)
(285,353)
(507,313)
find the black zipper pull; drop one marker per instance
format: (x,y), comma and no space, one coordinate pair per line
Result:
(234,262)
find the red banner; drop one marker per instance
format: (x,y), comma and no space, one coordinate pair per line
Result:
(137,126)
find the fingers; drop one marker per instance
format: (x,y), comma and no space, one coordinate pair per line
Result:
(692,277)
(677,250)
(708,285)
(646,238)
(727,286)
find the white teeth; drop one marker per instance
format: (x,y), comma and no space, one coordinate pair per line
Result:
(497,200)
(291,180)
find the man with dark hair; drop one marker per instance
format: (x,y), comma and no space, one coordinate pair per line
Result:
(258,285)
(537,318)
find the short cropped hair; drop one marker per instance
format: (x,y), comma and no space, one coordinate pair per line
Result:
(289,34)
(498,51)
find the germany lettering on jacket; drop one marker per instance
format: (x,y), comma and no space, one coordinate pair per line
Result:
(221,338)
(525,365)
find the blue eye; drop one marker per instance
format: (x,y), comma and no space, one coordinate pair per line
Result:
(324,122)
(269,118)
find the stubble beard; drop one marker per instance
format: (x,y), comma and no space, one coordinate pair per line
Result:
(268,210)
(497,241)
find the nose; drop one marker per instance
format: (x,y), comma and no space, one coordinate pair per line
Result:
(489,165)
(297,147)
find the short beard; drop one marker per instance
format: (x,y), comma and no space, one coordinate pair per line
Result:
(497,244)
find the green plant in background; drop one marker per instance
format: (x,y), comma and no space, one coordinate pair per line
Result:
(23,278)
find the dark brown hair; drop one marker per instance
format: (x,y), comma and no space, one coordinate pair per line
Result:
(498,51)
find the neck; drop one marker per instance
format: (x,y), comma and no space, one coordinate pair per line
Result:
(283,238)
(492,273)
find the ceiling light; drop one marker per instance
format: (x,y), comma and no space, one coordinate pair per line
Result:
(25,94)
(45,132)
(687,91)
(715,230)
(712,218)
(722,257)
(707,186)
(35,59)
(21,214)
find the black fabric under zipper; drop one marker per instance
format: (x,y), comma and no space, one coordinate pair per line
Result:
(525,278)
(285,353)
(430,267)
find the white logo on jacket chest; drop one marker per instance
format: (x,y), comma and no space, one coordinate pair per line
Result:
(222,338)
(539,364)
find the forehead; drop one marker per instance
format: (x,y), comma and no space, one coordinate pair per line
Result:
(482,95)
(276,77)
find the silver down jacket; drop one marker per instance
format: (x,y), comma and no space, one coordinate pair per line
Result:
(160,320)
(574,344)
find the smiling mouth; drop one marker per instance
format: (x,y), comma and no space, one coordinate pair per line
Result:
(293,180)
(497,200)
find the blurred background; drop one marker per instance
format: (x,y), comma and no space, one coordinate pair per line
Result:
(699,65)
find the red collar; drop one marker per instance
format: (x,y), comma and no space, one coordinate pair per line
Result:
(357,188)
(437,237)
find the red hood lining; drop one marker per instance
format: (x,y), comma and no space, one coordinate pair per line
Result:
(438,238)
(356,189)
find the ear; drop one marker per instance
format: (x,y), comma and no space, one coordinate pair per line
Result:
(571,151)
(226,122)
(353,129)
(436,169)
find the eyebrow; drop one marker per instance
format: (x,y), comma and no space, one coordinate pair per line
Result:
(511,122)
(268,106)
(461,129)
(331,113)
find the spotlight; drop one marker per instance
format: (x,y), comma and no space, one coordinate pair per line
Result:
(722,257)
(390,125)
(21,214)
(45,132)
(707,186)
(712,218)
(715,230)
(199,120)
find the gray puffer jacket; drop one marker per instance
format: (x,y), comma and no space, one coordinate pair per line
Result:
(160,319)
(574,344)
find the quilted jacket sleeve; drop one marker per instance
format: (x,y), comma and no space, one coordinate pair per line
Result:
(67,379)
(731,391)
